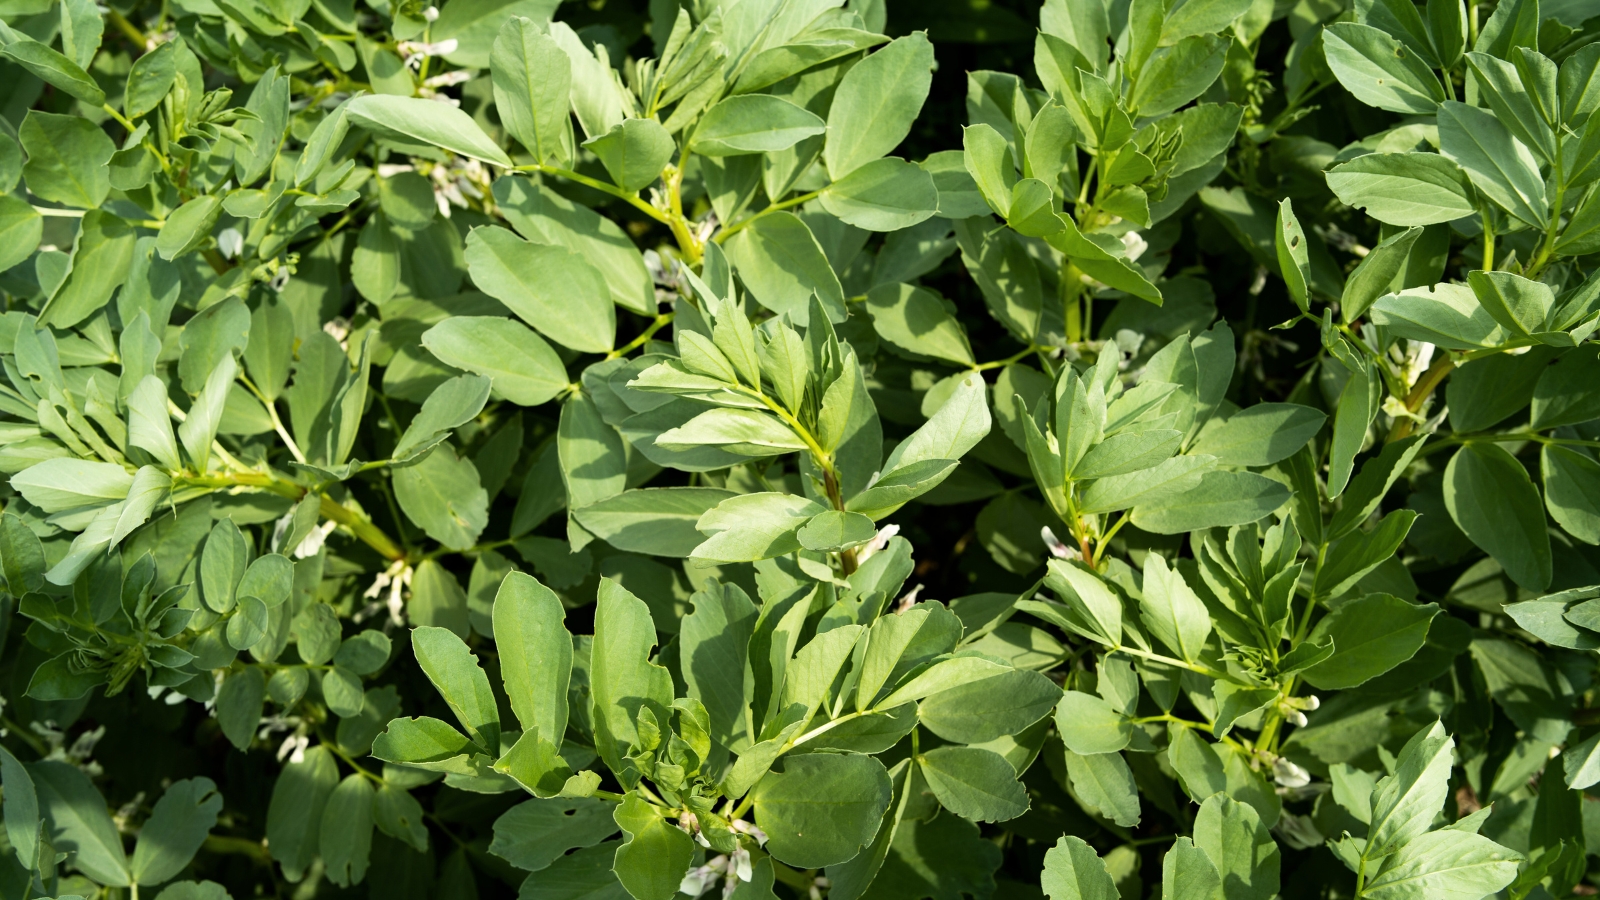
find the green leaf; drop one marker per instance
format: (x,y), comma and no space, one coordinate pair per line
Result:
(1220,499)
(622,679)
(753,526)
(1089,725)
(188,226)
(1500,167)
(1104,783)
(239,704)
(1519,305)
(753,123)
(1259,435)
(1098,610)
(424,743)
(988,160)
(269,101)
(1352,557)
(987,709)
(545,217)
(444,496)
(1103,258)
(1565,394)
(1238,843)
(101,257)
(270,352)
(1206,769)
(21,227)
(1404,188)
(535,652)
(1380,71)
(975,784)
(77,822)
(1178,74)
(532,82)
(455,673)
(536,833)
(1508,96)
(1172,611)
(1405,803)
(1445,314)
(833,530)
(886,194)
(1446,863)
(1200,17)
(1294,259)
(654,521)
(1572,491)
(583,875)
(1371,635)
(876,103)
(451,405)
(150,79)
(53,68)
(633,152)
(1073,871)
(179,824)
(782,264)
(1186,871)
(915,319)
(811,47)
(655,854)
(1374,274)
(217,331)
(150,425)
(747,432)
(821,809)
(1492,500)
(549,287)
(346,831)
(294,818)
(21,809)
(410,119)
(205,415)
(522,368)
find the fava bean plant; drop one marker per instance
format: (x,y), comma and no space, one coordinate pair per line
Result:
(799,449)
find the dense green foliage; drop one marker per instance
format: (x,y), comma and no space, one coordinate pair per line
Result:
(799,449)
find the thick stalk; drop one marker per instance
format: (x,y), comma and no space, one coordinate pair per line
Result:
(357,523)
(1419,395)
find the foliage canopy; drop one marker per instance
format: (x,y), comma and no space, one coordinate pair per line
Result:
(799,448)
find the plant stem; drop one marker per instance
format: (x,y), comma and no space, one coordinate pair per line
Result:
(1488,243)
(129,30)
(660,322)
(357,523)
(1419,395)
(277,423)
(1156,657)
(632,199)
(1002,363)
(725,233)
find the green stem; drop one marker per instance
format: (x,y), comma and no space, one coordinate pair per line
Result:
(1156,657)
(258,854)
(660,322)
(277,423)
(725,233)
(1504,438)
(358,524)
(1002,363)
(632,199)
(1424,388)
(129,30)
(1488,243)
(1168,717)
